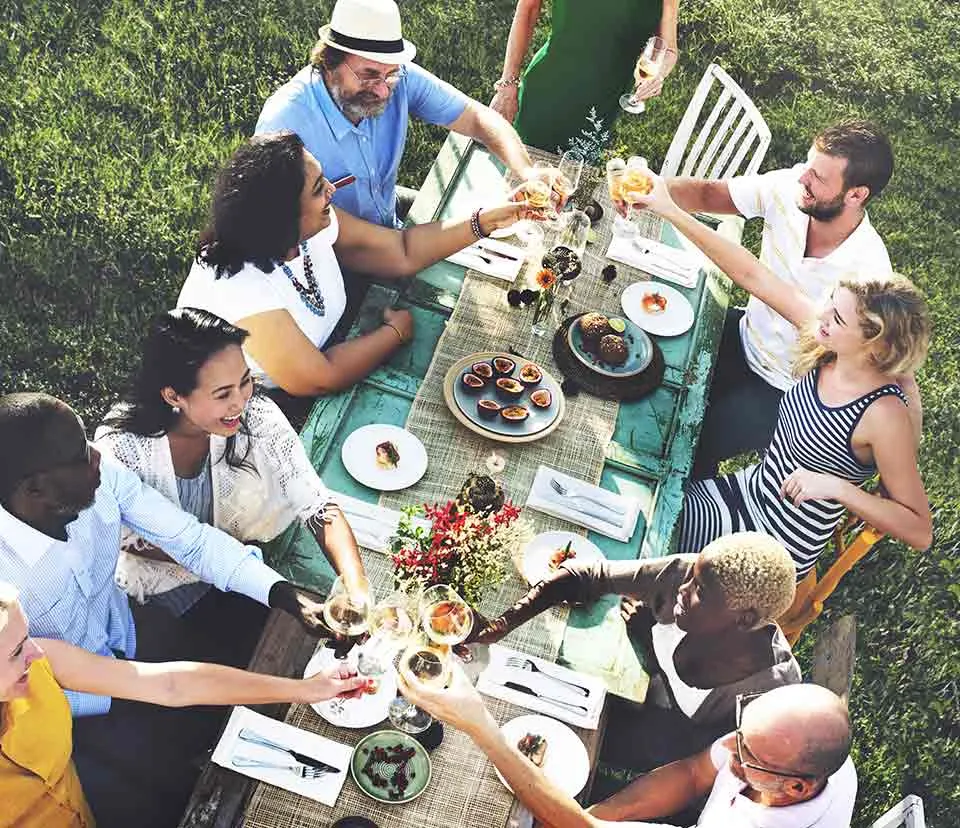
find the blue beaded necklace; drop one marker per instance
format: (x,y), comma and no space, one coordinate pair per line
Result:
(310,293)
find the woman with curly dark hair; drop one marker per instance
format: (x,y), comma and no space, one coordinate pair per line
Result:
(270,262)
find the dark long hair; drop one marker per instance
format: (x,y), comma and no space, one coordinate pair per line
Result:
(255,214)
(177,346)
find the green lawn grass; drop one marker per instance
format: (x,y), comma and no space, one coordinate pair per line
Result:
(114,114)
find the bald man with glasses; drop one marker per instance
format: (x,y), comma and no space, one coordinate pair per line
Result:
(787,765)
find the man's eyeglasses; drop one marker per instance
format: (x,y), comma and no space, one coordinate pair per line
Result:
(371,79)
(743,699)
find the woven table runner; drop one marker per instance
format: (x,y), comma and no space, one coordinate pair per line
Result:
(464,789)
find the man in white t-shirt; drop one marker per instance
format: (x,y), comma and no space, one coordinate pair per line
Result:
(816,231)
(787,765)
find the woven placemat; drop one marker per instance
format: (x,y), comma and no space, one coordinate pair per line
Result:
(623,388)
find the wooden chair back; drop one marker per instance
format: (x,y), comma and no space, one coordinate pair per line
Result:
(812,593)
(730,130)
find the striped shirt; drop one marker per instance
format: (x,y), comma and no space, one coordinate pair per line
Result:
(67,588)
(769,340)
(809,435)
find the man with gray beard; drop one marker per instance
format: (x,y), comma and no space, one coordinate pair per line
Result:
(351,107)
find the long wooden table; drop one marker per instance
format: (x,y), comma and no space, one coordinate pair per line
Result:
(650,456)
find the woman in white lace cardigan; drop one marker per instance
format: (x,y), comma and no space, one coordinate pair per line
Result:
(195,429)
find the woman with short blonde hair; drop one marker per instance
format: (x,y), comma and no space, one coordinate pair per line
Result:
(853,414)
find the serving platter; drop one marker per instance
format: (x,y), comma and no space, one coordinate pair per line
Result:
(639,351)
(463,402)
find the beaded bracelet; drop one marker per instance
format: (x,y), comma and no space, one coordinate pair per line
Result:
(514,80)
(475,225)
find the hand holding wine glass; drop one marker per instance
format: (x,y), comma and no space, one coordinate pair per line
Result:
(346,613)
(648,75)
(426,663)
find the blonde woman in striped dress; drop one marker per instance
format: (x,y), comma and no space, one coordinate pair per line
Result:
(854,413)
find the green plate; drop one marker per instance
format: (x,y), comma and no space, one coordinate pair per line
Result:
(371,763)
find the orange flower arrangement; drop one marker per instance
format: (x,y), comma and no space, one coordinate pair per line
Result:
(546,278)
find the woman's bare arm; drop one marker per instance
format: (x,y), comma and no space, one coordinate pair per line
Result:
(185,683)
(505,101)
(297,366)
(382,251)
(902,509)
(737,262)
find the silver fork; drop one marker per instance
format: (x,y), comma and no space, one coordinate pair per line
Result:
(297,768)
(563,491)
(529,666)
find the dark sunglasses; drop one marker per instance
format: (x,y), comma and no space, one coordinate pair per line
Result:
(743,699)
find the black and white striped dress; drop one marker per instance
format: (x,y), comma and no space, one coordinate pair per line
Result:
(809,434)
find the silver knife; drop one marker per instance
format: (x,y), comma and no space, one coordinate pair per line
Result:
(522,688)
(248,735)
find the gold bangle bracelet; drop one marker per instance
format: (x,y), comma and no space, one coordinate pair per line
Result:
(396,330)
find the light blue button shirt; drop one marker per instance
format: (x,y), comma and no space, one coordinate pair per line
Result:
(67,588)
(372,149)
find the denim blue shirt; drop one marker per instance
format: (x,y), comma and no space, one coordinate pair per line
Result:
(67,588)
(372,149)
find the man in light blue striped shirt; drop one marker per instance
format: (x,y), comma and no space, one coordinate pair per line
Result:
(61,512)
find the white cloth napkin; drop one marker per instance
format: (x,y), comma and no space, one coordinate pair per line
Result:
(544,499)
(324,789)
(681,267)
(492,679)
(506,269)
(372,525)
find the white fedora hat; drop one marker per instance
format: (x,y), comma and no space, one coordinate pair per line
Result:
(369,28)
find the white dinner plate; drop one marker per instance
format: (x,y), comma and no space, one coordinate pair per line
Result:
(676,318)
(536,555)
(365,711)
(565,763)
(359,455)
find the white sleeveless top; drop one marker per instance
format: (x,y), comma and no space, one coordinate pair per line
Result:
(251,291)
(666,639)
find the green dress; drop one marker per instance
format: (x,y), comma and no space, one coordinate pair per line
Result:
(587,62)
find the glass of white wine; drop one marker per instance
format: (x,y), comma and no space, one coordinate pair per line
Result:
(649,65)
(391,625)
(346,612)
(445,616)
(565,182)
(428,663)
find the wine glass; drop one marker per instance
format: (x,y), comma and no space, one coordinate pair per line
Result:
(346,612)
(627,181)
(649,65)
(567,178)
(537,191)
(428,663)
(446,618)
(391,625)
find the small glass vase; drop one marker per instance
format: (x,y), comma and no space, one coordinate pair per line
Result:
(542,316)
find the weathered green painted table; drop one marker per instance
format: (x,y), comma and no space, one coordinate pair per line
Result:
(652,448)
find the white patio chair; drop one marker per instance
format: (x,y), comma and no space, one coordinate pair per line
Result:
(905,814)
(732,130)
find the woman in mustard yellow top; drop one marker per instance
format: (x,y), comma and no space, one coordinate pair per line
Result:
(39,787)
